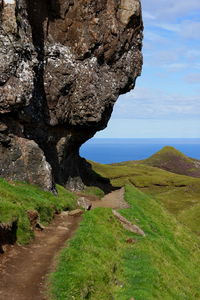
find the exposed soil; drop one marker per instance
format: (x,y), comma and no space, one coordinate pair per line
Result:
(23,269)
(113,200)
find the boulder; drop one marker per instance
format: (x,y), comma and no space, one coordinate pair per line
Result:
(127,224)
(84,203)
(63,64)
(33,217)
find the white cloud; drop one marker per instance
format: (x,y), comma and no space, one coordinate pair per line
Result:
(190,29)
(176,67)
(192,55)
(150,103)
(193,78)
(170,27)
(170,9)
(187,29)
(148,128)
(147,15)
(171,64)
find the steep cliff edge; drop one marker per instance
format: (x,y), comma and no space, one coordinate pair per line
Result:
(63,64)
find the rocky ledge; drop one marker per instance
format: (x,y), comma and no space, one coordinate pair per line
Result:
(63,64)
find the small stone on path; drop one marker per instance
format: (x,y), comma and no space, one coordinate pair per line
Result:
(76,213)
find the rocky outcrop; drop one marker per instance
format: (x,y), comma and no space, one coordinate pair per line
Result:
(84,203)
(127,224)
(63,64)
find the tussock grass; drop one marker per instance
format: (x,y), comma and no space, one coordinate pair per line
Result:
(17,198)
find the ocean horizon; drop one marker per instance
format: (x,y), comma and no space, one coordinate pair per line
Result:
(113,150)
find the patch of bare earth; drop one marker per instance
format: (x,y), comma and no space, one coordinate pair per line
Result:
(23,269)
(113,200)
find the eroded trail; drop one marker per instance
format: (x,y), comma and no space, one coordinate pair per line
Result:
(113,200)
(23,270)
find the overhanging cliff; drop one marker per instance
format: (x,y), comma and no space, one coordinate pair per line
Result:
(63,64)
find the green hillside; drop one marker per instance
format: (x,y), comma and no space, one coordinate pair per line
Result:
(17,198)
(170,159)
(103,261)
(100,264)
(179,194)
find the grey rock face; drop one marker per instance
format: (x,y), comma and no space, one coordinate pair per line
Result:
(23,160)
(63,64)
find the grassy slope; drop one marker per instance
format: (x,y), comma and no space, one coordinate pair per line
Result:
(94,191)
(17,198)
(170,159)
(170,251)
(100,264)
(89,267)
(180,194)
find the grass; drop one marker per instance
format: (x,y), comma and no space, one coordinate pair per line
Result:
(17,198)
(171,159)
(165,154)
(100,264)
(90,266)
(191,217)
(164,262)
(178,193)
(94,191)
(142,176)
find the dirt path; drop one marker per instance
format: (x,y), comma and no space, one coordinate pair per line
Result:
(113,200)
(23,270)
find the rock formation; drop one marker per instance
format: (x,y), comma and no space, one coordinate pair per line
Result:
(63,64)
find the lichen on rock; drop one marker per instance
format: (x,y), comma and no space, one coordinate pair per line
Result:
(63,64)
(129,9)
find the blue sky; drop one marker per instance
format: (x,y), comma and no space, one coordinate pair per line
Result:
(166,100)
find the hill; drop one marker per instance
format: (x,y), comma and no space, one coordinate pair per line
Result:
(179,194)
(170,159)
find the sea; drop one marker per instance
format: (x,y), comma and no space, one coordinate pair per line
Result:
(109,151)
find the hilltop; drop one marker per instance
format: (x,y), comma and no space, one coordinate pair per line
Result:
(171,159)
